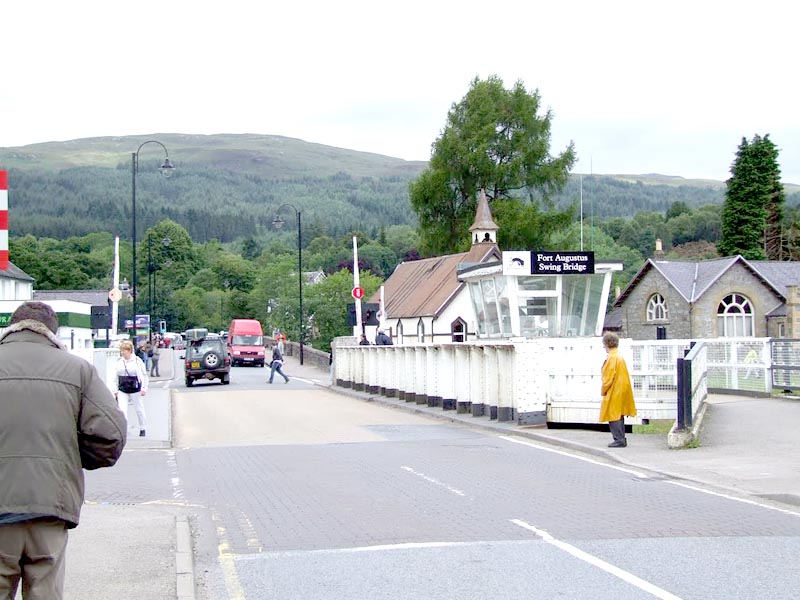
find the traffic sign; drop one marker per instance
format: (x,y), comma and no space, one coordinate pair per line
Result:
(358,293)
(115,295)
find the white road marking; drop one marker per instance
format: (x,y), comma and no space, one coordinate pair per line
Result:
(175,480)
(785,511)
(434,481)
(599,563)
(575,456)
(378,548)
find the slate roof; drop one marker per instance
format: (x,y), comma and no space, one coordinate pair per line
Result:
(91,297)
(14,272)
(692,279)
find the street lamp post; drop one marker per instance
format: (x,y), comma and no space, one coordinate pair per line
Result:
(152,269)
(278,223)
(166,170)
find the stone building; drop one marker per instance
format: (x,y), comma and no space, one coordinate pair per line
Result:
(725,297)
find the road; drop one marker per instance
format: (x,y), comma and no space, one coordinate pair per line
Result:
(296,492)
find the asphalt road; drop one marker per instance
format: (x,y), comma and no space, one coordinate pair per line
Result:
(299,493)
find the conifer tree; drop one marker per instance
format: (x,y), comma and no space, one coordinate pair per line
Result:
(753,210)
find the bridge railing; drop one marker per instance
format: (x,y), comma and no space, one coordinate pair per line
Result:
(546,379)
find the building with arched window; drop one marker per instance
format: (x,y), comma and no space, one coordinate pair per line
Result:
(725,297)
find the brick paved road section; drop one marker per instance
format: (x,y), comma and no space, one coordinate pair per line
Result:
(335,521)
(461,487)
(140,476)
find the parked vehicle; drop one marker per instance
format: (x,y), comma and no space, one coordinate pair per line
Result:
(246,342)
(206,357)
(174,340)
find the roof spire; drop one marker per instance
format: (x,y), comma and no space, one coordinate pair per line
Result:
(484,229)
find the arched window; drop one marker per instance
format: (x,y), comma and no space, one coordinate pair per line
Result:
(657,308)
(399,330)
(420,331)
(735,317)
(458,330)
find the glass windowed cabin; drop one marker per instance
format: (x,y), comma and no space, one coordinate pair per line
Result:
(512,300)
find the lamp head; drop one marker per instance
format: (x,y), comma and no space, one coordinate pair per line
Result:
(277,222)
(167,168)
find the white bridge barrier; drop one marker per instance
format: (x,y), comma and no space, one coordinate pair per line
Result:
(540,380)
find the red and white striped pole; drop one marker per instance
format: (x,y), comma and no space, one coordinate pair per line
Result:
(3,220)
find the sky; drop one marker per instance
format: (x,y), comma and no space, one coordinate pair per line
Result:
(638,87)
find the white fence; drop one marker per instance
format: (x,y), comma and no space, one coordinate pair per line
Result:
(104,359)
(545,379)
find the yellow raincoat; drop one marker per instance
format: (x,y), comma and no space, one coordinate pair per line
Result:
(616,389)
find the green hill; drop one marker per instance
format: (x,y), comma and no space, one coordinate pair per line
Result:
(228,187)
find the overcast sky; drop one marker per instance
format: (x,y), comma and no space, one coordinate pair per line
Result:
(639,87)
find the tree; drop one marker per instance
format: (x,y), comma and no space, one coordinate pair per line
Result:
(677,208)
(604,247)
(327,305)
(494,139)
(642,231)
(753,210)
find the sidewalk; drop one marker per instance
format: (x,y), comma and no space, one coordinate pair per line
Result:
(747,445)
(141,552)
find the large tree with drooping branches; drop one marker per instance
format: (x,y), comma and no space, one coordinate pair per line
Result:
(496,139)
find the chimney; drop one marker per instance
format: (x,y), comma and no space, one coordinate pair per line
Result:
(659,253)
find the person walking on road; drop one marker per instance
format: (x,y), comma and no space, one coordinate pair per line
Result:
(154,372)
(58,417)
(130,366)
(277,364)
(616,391)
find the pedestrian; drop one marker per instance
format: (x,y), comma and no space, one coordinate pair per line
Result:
(154,372)
(132,383)
(616,391)
(277,364)
(281,339)
(364,341)
(147,351)
(58,417)
(382,339)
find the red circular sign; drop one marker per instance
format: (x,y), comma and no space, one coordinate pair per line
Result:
(358,293)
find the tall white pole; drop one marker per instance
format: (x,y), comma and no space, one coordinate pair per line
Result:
(382,312)
(356,284)
(115,286)
(581,179)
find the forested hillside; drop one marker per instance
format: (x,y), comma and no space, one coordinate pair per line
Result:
(228,187)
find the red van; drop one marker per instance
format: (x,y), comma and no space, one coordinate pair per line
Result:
(246,342)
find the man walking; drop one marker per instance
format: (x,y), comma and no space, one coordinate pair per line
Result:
(58,416)
(154,372)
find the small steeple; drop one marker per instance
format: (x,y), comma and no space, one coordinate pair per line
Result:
(484,229)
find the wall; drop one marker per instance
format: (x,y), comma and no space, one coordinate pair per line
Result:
(634,310)
(737,279)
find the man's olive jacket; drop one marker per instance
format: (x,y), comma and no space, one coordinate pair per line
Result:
(57,417)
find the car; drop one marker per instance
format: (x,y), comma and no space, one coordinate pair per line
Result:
(206,358)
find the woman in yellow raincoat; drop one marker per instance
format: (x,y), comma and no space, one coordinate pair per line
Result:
(616,391)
